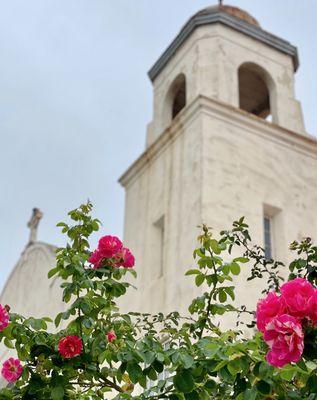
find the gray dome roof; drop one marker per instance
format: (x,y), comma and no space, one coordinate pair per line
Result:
(233,11)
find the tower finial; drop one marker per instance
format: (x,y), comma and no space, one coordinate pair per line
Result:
(220,2)
(34,223)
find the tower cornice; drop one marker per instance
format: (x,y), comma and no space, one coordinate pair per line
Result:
(234,116)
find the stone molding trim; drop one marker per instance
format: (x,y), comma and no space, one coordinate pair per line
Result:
(217,16)
(219,110)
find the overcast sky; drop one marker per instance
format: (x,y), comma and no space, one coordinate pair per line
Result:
(75,99)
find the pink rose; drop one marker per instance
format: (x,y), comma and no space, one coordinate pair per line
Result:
(268,308)
(111,336)
(70,346)
(109,246)
(297,294)
(285,337)
(4,318)
(12,370)
(128,258)
(96,259)
(125,258)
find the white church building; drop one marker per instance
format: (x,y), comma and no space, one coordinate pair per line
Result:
(227,140)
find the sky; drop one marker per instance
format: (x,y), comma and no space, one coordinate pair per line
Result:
(75,100)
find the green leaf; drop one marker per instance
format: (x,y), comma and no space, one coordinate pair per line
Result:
(211,349)
(184,381)
(250,394)
(263,387)
(220,365)
(230,291)
(219,309)
(62,224)
(215,247)
(242,260)
(234,366)
(152,374)
(134,371)
(312,384)
(52,272)
(85,307)
(225,269)
(192,272)
(211,279)
(95,225)
(301,364)
(199,279)
(235,268)
(175,397)
(158,366)
(36,324)
(160,357)
(57,393)
(186,359)
(8,343)
(222,296)
(210,385)
(102,357)
(143,381)
(58,319)
(265,370)
(288,373)
(149,357)
(192,396)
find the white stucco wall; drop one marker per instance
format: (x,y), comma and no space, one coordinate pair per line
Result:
(168,184)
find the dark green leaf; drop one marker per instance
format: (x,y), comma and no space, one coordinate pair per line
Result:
(184,381)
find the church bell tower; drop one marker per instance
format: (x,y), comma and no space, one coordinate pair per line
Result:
(227,140)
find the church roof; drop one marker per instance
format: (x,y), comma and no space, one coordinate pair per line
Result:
(232,17)
(28,290)
(50,254)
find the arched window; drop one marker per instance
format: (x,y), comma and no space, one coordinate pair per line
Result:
(179,96)
(255,91)
(175,99)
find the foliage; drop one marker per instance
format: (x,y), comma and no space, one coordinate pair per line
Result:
(157,356)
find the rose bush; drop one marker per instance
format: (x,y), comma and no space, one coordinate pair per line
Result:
(97,352)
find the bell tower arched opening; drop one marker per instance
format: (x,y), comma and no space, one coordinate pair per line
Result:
(179,96)
(256,91)
(175,99)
